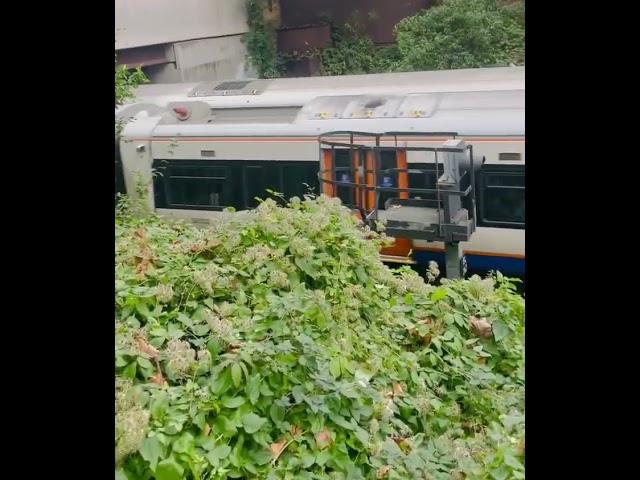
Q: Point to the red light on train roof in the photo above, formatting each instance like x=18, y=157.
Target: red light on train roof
x=181, y=112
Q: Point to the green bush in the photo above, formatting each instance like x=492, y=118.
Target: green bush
x=126, y=80
x=275, y=344
x=462, y=34
x=260, y=41
x=349, y=54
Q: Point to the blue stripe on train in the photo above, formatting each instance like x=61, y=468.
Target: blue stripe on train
x=477, y=263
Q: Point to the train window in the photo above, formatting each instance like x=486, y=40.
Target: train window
x=217, y=184
x=501, y=199
x=390, y=179
x=494, y=180
x=344, y=173
x=201, y=192
x=298, y=179
x=255, y=184
x=120, y=187
x=190, y=184
x=426, y=180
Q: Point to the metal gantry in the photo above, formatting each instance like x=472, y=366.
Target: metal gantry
x=405, y=214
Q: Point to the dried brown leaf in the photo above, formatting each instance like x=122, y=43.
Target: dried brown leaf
x=323, y=438
x=480, y=327
x=383, y=471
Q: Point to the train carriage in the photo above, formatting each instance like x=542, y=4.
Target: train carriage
x=215, y=145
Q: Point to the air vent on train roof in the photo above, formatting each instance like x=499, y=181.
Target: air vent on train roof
x=230, y=88
x=239, y=85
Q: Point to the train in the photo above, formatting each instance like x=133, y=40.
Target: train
x=200, y=148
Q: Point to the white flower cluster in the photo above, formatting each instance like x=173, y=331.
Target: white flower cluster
x=209, y=278
x=481, y=287
x=204, y=360
x=257, y=255
x=410, y=281
x=131, y=421
x=353, y=295
x=164, y=293
x=316, y=224
x=180, y=356
x=278, y=279
x=221, y=328
x=374, y=426
x=301, y=247
x=224, y=309
x=387, y=411
x=433, y=272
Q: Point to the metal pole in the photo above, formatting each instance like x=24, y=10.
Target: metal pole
x=453, y=260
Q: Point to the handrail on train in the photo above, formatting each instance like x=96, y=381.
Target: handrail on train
x=373, y=186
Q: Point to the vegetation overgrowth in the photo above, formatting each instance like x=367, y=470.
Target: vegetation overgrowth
x=450, y=34
x=274, y=344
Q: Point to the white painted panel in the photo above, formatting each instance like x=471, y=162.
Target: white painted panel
x=141, y=23
x=211, y=59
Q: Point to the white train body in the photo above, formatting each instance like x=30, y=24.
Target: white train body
x=229, y=136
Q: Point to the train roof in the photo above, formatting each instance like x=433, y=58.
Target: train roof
x=298, y=91
x=485, y=101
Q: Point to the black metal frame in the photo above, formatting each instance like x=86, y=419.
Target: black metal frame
x=363, y=188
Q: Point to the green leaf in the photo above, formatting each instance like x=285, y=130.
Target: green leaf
x=252, y=422
x=159, y=332
x=236, y=374
x=233, y=402
x=169, y=469
x=217, y=454
x=121, y=361
x=159, y=405
x=184, y=443
x=182, y=318
x=261, y=457
x=340, y=421
x=200, y=330
x=509, y=421
x=334, y=367
x=144, y=363
x=513, y=462
x=200, y=420
x=130, y=370
x=120, y=475
x=151, y=450
x=500, y=330
x=306, y=266
x=391, y=449
x=253, y=389
x=323, y=457
x=174, y=331
x=220, y=383
x=226, y=426
x=276, y=412
x=265, y=391
x=438, y=294
x=307, y=459
x=362, y=435
x=500, y=473
x=361, y=274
